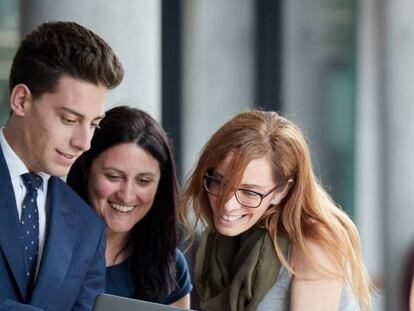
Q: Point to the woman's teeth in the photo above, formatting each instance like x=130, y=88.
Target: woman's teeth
x=122, y=208
x=231, y=218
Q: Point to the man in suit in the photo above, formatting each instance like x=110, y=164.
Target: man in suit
x=51, y=243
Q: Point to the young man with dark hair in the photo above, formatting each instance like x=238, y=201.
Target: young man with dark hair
x=51, y=242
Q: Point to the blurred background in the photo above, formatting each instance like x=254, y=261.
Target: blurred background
x=343, y=70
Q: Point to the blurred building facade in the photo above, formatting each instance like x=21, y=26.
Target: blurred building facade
x=342, y=70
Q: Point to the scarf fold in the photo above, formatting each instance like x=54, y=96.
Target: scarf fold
x=235, y=273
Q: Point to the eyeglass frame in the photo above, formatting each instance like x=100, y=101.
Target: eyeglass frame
x=261, y=195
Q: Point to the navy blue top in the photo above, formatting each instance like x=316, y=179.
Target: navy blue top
x=119, y=282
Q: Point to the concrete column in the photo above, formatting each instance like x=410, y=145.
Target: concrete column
x=369, y=140
x=131, y=27
x=218, y=68
x=299, y=61
x=398, y=125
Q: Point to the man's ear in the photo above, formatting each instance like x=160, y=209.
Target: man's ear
x=20, y=99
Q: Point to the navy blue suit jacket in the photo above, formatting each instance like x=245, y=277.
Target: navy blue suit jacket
x=72, y=268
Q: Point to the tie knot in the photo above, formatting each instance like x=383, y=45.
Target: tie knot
x=32, y=182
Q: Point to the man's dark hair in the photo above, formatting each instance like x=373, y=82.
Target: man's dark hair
x=56, y=49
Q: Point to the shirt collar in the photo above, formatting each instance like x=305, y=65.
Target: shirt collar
x=14, y=163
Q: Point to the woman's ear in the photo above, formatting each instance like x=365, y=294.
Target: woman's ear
x=280, y=195
x=20, y=99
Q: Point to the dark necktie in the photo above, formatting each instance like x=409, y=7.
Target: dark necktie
x=30, y=223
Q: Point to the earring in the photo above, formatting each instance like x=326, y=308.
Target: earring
x=274, y=203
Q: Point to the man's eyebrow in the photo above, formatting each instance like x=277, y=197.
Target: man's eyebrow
x=79, y=114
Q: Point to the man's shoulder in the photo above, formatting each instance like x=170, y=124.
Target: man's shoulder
x=83, y=212
x=58, y=187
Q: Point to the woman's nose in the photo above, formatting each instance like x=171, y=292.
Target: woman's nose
x=126, y=193
x=231, y=204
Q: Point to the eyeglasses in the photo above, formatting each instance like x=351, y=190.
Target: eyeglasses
x=245, y=197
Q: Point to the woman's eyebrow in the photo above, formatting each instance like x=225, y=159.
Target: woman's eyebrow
x=149, y=174
x=214, y=173
x=109, y=168
x=252, y=186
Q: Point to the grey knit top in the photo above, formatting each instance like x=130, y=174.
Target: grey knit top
x=278, y=298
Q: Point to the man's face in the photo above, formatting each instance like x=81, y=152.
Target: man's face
x=58, y=127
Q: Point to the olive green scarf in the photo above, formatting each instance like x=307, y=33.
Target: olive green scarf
x=235, y=273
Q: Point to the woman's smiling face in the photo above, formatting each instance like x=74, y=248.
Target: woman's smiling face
x=122, y=184
x=234, y=218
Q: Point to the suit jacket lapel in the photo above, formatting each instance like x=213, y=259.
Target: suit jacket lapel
x=60, y=243
x=10, y=235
